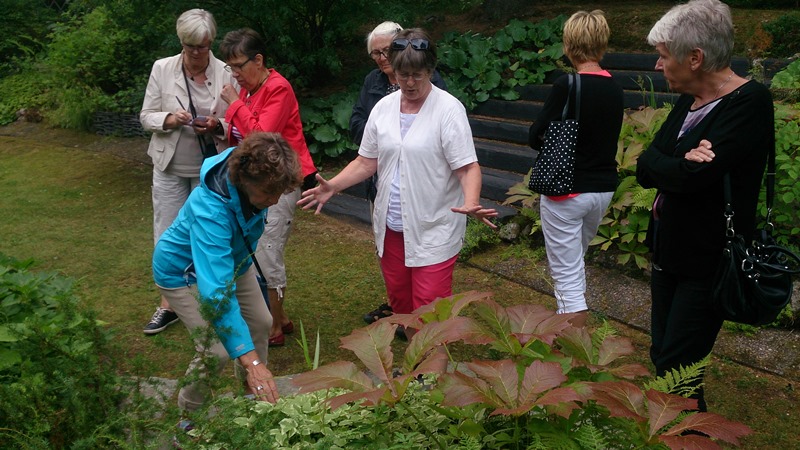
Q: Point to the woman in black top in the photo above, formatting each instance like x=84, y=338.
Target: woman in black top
x=721, y=124
x=570, y=222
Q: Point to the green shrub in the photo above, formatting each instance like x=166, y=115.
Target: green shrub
x=477, y=236
x=788, y=78
x=478, y=67
x=58, y=384
x=785, y=32
x=326, y=124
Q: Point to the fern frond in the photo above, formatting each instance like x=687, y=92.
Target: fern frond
x=602, y=333
x=590, y=438
x=682, y=381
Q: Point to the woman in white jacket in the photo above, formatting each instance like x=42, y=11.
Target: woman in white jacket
x=183, y=109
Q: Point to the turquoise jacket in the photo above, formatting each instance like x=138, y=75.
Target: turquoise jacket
x=205, y=246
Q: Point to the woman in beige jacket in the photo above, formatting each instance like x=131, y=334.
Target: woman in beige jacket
x=183, y=109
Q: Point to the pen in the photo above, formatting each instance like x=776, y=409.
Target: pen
x=180, y=103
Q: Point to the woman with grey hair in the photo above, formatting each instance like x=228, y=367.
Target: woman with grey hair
x=378, y=83
x=183, y=110
x=419, y=142
x=721, y=124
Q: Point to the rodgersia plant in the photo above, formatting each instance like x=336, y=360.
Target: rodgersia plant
x=554, y=386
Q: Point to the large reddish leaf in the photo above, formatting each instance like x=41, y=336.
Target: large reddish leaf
x=496, y=317
x=462, y=390
x=503, y=378
x=622, y=398
x=663, y=408
x=433, y=335
x=612, y=348
x=690, y=442
x=525, y=318
x=713, y=425
x=560, y=400
x=372, y=345
x=551, y=327
x=629, y=371
x=340, y=374
x=446, y=308
x=577, y=342
x=436, y=362
x=371, y=398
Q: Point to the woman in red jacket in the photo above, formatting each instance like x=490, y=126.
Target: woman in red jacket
x=266, y=102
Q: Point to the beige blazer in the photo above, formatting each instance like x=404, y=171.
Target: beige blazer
x=166, y=82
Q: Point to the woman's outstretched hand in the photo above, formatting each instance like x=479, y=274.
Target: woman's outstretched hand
x=317, y=196
x=478, y=212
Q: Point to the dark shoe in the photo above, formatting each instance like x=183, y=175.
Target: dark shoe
x=288, y=328
x=277, y=341
x=400, y=333
x=161, y=319
x=378, y=313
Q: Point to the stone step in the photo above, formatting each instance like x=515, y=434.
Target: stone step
x=499, y=129
x=523, y=110
x=504, y=156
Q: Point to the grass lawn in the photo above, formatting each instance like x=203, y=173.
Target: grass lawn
x=87, y=214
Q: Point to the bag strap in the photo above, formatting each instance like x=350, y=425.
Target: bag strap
x=770, y=184
x=250, y=251
x=577, y=97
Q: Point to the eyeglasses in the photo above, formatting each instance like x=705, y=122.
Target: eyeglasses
x=417, y=76
x=416, y=44
x=195, y=48
x=376, y=54
x=236, y=67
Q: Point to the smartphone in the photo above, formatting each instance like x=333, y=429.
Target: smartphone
x=199, y=121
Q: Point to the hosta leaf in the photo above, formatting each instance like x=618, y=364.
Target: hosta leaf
x=622, y=398
x=325, y=133
x=341, y=374
x=372, y=345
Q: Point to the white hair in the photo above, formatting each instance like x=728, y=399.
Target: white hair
x=387, y=28
x=703, y=24
x=195, y=25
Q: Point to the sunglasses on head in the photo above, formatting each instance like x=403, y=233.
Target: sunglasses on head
x=416, y=44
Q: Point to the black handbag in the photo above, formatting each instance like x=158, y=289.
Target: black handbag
x=554, y=169
x=753, y=282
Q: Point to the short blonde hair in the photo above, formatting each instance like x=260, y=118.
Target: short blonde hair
x=586, y=36
x=195, y=25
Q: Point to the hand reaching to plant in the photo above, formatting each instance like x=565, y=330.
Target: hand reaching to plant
x=259, y=378
x=478, y=212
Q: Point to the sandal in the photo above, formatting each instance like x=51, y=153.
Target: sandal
x=378, y=313
x=288, y=328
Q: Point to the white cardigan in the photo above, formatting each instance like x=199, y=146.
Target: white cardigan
x=166, y=82
x=438, y=142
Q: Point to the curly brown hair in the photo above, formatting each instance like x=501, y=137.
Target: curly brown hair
x=265, y=160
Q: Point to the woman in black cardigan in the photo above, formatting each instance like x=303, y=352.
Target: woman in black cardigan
x=570, y=222
x=721, y=124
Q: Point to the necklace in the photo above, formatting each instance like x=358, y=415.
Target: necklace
x=258, y=86
x=194, y=74
x=716, y=94
x=586, y=66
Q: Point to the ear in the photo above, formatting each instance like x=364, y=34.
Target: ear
x=696, y=57
x=259, y=59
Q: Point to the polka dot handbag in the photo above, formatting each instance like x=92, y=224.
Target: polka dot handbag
x=554, y=169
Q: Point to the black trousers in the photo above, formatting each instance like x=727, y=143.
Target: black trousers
x=683, y=325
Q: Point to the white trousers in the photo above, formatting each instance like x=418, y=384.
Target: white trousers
x=169, y=194
x=272, y=244
x=568, y=227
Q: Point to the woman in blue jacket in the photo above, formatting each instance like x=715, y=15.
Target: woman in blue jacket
x=204, y=258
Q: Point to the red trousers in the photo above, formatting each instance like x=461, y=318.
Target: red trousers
x=409, y=288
